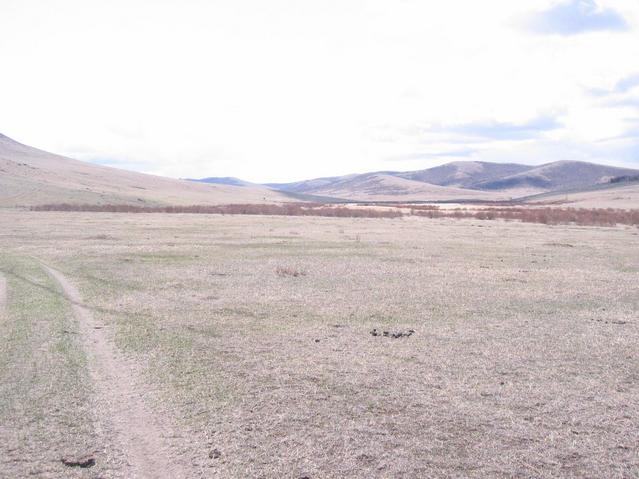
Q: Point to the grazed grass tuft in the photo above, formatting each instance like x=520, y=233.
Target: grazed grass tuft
x=284, y=271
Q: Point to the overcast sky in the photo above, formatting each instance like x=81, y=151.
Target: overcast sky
x=282, y=90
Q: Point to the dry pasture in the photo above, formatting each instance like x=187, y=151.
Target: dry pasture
x=522, y=360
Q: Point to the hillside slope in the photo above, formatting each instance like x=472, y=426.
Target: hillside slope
x=462, y=180
x=557, y=176
x=385, y=187
x=222, y=180
x=464, y=174
x=29, y=176
x=623, y=195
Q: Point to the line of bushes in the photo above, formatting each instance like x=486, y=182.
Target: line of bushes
x=549, y=216
x=287, y=209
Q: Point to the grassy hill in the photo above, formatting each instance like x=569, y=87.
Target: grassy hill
x=29, y=176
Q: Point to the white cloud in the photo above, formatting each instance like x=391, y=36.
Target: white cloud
x=573, y=17
x=282, y=90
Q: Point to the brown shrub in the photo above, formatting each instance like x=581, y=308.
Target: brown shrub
x=418, y=207
x=555, y=216
x=549, y=216
x=429, y=213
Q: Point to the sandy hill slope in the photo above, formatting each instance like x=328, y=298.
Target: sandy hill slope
x=385, y=187
x=29, y=176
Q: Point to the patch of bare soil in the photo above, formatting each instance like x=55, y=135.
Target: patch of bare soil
x=122, y=408
x=3, y=294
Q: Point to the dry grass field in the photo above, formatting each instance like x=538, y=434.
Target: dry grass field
x=158, y=345
x=621, y=196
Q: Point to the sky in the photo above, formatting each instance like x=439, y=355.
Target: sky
x=293, y=89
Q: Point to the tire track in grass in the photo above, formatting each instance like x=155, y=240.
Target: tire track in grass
x=122, y=407
x=3, y=295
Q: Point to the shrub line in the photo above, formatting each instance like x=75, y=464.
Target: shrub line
x=549, y=216
x=289, y=209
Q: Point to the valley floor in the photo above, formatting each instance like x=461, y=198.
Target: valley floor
x=158, y=345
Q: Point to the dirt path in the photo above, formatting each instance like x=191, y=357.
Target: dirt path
x=3, y=295
x=122, y=408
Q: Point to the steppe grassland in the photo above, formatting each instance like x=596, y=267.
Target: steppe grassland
x=523, y=361
x=45, y=395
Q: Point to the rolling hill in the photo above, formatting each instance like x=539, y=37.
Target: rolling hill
x=558, y=176
x=463, y=180
x=222, y=180
x=29, y=176
x=623, y=194
x=387, y=187
x=464, y=174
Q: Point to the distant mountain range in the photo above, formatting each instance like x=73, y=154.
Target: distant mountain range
x=222, y=180
x=463, y=180
x=29, y=176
